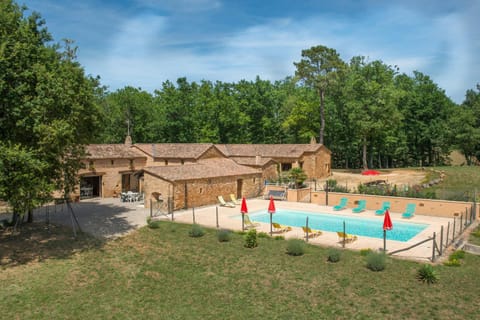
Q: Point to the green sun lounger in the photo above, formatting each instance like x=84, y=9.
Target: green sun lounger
x=385, y=206
x=409, y=211
x=360, y=207
x=341, y=205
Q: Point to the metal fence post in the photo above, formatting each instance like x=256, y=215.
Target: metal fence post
x=453, y=231
x=433, y=247
x=448, y=230
x=193, y=215
x=216, y=215
x=441, y=241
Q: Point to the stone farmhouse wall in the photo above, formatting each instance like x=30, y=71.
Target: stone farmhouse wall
x=111, y=171
x=196, y=193
x=428, y=207
x=316, y=165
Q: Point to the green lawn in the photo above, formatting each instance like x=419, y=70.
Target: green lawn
x=165, y=274
x=460, y=183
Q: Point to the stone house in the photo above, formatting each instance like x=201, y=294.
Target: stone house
x=110, y=169
x=194, y=174
x=313, y=158
x=200, y=183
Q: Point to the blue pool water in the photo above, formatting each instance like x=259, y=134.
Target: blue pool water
x=361, y=226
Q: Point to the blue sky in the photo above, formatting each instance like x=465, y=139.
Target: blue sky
x=143, y=43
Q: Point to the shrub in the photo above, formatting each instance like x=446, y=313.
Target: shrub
x=263, y=235
x=452, y=263
x=333, y=255
x=295, y=247
x=279, y=238
x=427, y=274
x=224, y=235
x=153, y=224
x=365, y=252
x=457, y=255
x=196, y=231
x=376, y=261
x=251, y=239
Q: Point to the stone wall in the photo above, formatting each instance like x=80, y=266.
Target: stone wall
x=196, y=193
x=428, y=207
x=110, y=171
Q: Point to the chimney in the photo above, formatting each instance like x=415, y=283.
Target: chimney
x=128, y=141
x=258, y=159
x=153, y=150
x=313, y=140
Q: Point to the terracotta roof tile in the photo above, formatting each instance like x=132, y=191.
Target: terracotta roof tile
x=267, y=150
x=174, y=150
x=204, y=169
x=251, y=161
x=112, y=151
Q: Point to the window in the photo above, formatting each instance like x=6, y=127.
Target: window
x=166, y=162
x=286, y=166
x=300, y=164
x=183, y=161
x=112, y=162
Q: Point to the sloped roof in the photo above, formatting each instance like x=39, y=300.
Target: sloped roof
x=251, y=161
x=112, y=151
x=203, y=169
x=268, y=150
x=174, y=150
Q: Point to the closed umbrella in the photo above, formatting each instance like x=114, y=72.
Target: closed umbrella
x=387, y=225
x=271, y=210
x=243, y=210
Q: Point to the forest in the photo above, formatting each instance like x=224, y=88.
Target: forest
x=372, y=115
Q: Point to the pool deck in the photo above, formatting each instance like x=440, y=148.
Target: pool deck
x=228, y=219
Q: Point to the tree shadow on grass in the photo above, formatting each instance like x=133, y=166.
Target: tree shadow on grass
x=35, y=242
x=99, y=221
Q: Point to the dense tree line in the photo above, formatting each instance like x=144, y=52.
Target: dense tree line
x=370, y=114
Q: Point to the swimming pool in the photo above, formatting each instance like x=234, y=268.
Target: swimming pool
x=361, y=226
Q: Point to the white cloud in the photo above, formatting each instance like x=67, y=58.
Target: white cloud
x=148, y=50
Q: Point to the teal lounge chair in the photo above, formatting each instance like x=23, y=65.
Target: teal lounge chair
x=385, y=207
x=360, y=207
x=409, y=211
x=341, y=205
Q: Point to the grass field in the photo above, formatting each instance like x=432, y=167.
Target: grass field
x=165, y=274
x=460, y=183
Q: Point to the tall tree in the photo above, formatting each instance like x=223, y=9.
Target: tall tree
x=47, y=109
x=465, y=126
x=318, y=69
x=372, y=101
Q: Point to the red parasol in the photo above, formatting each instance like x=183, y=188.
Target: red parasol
x=387, y=225
x=271, y=206
x=370, y=173
x=244, y=209
x=387, y=222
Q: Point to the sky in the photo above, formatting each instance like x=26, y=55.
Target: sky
x=143, y=43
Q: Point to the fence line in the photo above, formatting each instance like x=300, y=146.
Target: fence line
x=438, y=248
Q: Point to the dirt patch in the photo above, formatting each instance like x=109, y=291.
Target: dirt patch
x=398, y=177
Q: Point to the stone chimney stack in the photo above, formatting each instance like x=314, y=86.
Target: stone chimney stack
x=128, y=141
x=258, y=159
